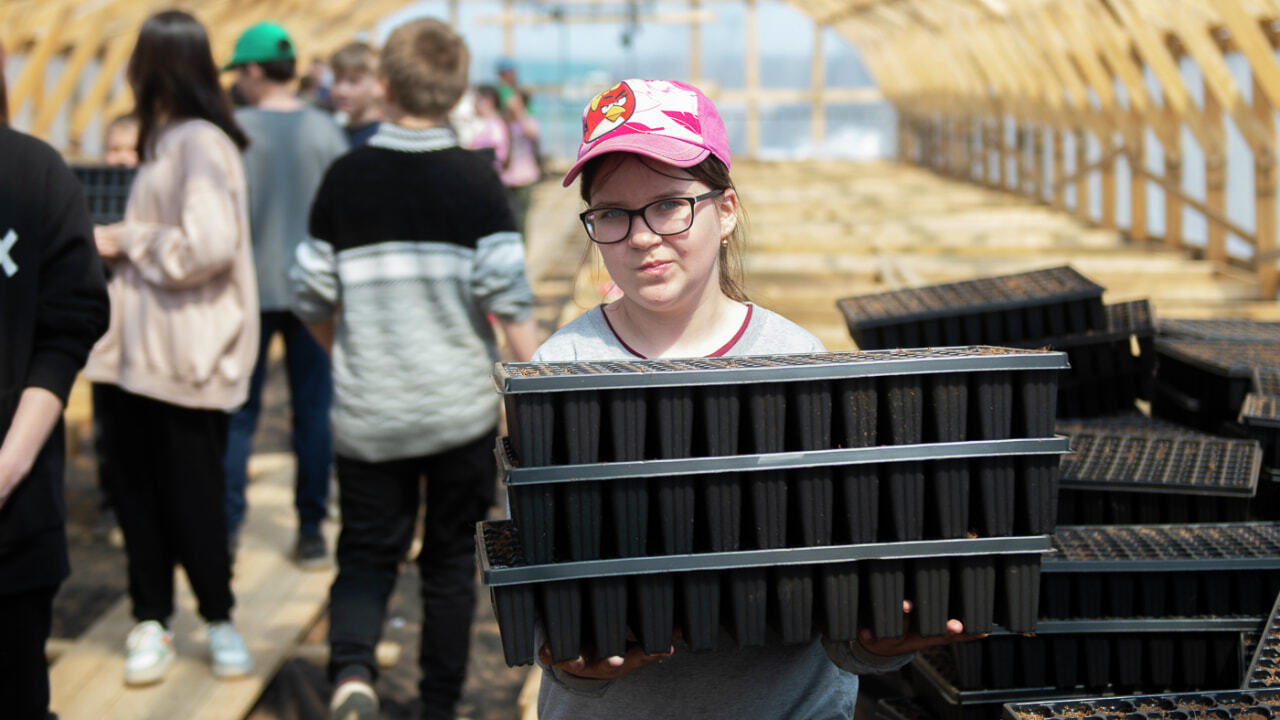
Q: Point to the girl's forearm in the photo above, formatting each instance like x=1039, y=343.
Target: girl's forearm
x=37, y=414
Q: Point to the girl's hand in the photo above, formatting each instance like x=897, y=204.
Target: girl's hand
x=107, y=238
x=607, y=668
x=910, y=642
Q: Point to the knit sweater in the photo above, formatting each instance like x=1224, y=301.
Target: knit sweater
x=53, y=306
x=414, y=247
x=808, y=681
x=184, y=300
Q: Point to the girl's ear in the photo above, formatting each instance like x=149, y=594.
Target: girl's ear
x=727, y=205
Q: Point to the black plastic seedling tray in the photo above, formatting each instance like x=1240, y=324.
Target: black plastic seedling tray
x=1224, y=704
x=1260, y=415
x=1232, y=329
x=1266, y=379
x=1164, y=548
x=797, y=592
x=1203, y=382
x=106, y=189
x=774, y=500
x=1158, y=461
x=1003, y=309
x=708, y=407
x=1264, y=663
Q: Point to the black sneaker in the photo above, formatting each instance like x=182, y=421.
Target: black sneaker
x=311, y=552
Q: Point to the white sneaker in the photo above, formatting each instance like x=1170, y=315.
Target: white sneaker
x=353, y=699
x=231, y=657
x=148, y=653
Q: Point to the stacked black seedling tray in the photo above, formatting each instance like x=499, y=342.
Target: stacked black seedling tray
x=996, y=310
x=971, y=681
x=1135, y=472
x=1221, y=704
x=1264, y=664
x=1110, y=368
x=901, y=708
x=520, y=589
x=106, y=188
x=672, y=457
x=1230, y=329
x=1260, y=412
x=1202, y=383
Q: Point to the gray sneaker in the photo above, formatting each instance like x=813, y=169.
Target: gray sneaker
x=311, y=552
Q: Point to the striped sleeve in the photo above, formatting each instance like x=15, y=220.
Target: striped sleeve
x=314, y=276
x=498, y=282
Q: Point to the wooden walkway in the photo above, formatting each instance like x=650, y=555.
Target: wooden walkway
x=276, y=602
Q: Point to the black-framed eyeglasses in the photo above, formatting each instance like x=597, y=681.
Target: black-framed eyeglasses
x=668, y=216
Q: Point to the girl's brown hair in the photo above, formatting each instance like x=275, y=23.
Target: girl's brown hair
x=712, y=173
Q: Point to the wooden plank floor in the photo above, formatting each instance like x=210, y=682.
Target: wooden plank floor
x=276, y=602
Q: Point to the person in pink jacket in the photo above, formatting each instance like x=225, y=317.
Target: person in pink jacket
x=182, y=341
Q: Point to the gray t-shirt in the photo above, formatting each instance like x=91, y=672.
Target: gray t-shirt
x=287, y=157
x=797, y=682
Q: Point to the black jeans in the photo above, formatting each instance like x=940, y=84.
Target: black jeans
x=380, y=503
x=25, y=620
x=169, y=500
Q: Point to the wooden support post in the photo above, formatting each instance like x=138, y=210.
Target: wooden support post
x=508, y=28
x=1082, y=178
x=1138, y=184
x=1264, y=183
x=1172, y=203
x=1106, y=141
x=817, y=81
x=752, y=53
x=1215, y=175
x=695, y=43
x=966, y=147
x=998, y=141
x=1059, y=172
x=1026, y=144
x=1037, y=162
x=904, y=136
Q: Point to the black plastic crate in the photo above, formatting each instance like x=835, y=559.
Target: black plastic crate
x=1224, y=704
x=106, y=188
x=1233, y=329
x=1264, y=663
x=589, y=606
x=997, y=310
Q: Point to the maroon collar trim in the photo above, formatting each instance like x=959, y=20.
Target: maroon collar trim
x=723, y=350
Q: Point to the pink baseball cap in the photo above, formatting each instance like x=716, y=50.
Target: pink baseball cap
x=669, y=121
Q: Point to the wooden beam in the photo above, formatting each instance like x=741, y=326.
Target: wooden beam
x=817, y=82
x=1215, y=173
x=751, y=53
x=1264, y=170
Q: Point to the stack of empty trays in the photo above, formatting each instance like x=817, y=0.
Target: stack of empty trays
x=813, y=493
x=1122, y=607
x=1206, y=367
x=1056, y=308
x=1260, y=418
x=106, y=189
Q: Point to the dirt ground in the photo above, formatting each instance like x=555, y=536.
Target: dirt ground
x=300, y=690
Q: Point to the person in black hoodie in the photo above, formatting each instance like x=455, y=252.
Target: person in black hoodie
x=53, y=307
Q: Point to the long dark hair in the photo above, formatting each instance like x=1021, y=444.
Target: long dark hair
x=173, y=77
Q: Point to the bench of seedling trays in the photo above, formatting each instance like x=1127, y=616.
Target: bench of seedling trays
x=106, y=190
x=813, y=493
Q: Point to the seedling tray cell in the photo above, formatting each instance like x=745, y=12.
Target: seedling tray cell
x=994, y=495
x=654, y=603
x=1037, y=403
x=583, y=513
x=1225, y=704
x=700, y=596
x=991, y=403
x=814, y=504
x=858, y=406
x=1233, y=329
x=721, y=504
x=886, y=585
x=859, y=487
x=930, y=591
x=903, y=409
x=561, y=610
x=948, y=498
x=794, y=605
x=948, y=407
x=1037, y=495
x=1161, y=461
x=514, y=608
x=721, y=416
x=608, y=605
x=533, y=507
x=767, y=523
x=975, y=593
x=1021, y=601
x=531, y=427
x=905, y=500
x=810, y=405
x=839, y=593
x=629, y=499
x=676, y=511
x=106, y=190
x=748, y=605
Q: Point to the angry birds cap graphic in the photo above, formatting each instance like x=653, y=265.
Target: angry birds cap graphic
x=669, y=121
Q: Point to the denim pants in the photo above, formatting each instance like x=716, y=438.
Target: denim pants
x=380, y=503
x=310, y=394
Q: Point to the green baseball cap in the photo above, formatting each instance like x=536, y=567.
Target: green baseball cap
x=261, y=43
